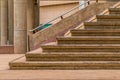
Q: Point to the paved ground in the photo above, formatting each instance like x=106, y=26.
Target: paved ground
x=6, y=74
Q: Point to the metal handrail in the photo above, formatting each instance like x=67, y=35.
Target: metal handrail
x=61, y=16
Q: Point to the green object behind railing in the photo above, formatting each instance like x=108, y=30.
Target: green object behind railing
x=45, y=26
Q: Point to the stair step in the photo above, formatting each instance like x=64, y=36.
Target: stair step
x=89, y=40
x=63, y=65
x=82, y=48
x=91, y=56
x=102, y=25
x=114, y=10
x=109, y=23
x=108, y=17
x=79, y=32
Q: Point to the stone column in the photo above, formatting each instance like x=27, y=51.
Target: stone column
x=20, y=26
x=10, y=21
x=4, y=21
x=30, y=21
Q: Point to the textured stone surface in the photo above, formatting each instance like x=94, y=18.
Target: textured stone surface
x=4, y=21
x=11, y=21
x=22, y=64
x=77, y=56
x=20, y=26
x=71, y=53
x=89, y=40
x=107, y=32
x=49, y=34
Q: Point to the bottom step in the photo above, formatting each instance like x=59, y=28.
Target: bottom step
x=21, y=64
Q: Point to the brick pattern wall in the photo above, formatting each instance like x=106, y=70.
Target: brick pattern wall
x=6, y=49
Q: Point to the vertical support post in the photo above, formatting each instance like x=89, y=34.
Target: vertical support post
x=20, y=26
x=4, y=21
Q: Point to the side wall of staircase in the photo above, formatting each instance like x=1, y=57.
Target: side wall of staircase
x=60, y=28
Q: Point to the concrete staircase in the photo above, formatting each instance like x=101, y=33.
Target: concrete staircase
x=97, y=46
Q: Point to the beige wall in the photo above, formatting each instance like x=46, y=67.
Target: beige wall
x=46, y=3
x=49, y=12
x=51, y=9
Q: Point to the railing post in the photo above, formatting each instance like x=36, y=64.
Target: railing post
x=61, y=17
x=88, y=2
x=96, y=1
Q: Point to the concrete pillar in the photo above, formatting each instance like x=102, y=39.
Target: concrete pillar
x=20, y=26
x=10, y=21
x=4, y=21
x=30, y=21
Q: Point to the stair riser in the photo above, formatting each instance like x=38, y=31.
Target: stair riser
x=81, y=49
x=74, y=59
x=89, y=41
x=114, y=13
x=71, y=66
x=101, y=27
x=103, y=20
x=95, y=33
x=64, y=68
x=114, y=10
x=107, y=23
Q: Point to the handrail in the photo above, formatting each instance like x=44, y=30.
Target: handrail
x=61, y=16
